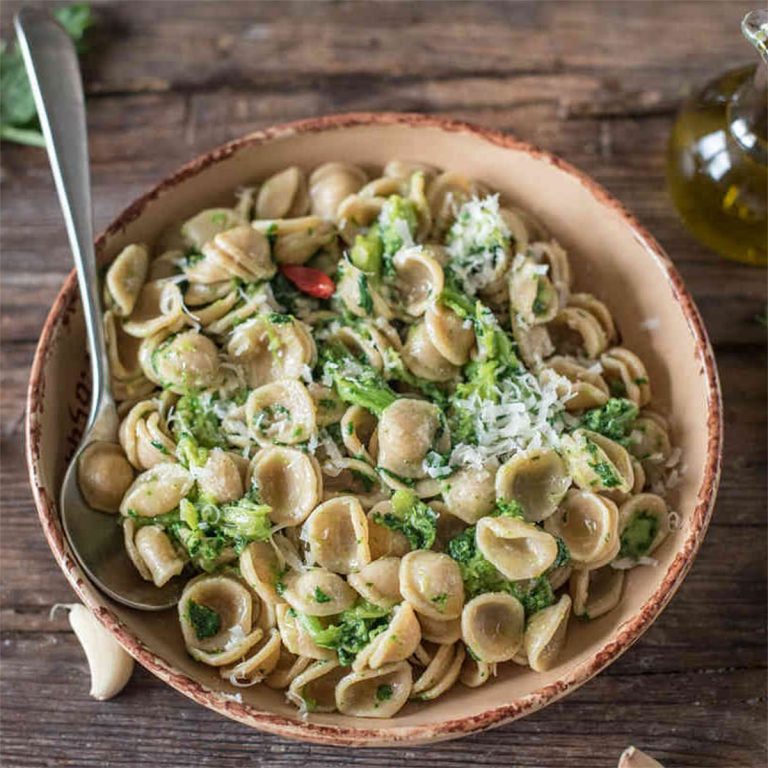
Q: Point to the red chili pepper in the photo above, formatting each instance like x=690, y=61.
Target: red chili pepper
x=310, y=281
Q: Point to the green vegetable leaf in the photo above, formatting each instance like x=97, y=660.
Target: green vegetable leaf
x=614, y=419
x=18, y=115
x=412, y=517
x=204, y=620
x=351, y=631
x=637, y=537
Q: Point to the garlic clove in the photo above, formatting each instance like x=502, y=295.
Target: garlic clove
x=632, y=757
x=110, y=666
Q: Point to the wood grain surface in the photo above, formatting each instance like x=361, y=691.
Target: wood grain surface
x=598, y=83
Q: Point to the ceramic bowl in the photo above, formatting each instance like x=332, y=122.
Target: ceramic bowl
x=613, y=257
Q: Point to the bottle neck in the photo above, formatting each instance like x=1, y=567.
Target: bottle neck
x=748, y=115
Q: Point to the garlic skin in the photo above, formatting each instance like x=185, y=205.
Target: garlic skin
x=632, y=757
x=110, y=666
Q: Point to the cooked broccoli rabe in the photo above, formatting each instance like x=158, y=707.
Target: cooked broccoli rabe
x=412, y=517
x=196, y=416
x=204, y=620
x=366, y=252
x=244, y=520
x=614, y=419
x=356, y=382
x=637, y=537
x=397, y=223
x=189, y=452
x=507, y=508
x=480, y=576
x=350, y=631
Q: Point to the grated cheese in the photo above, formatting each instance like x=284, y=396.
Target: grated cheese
x=477, y=244
x=527, y=415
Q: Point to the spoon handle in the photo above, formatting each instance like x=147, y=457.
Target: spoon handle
x=54, y=73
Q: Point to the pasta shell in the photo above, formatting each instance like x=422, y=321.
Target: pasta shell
x=424, y=359
x=337, y=535
x=122, y=350
x=344, y=477
x=378, y=582
x=650, y=508
x=531, y=293
x=431, y=582
x=283, y=195
x=596, y=592
x=281, y=412
x=446, y=195
x=103, y=475
x=375, y=692
x=144, y=436
x=627, y=375
x=261, y=565
x=258, y=665
x=560, y=273
x=186, y=362
x=197, y=294
x=357, y=428
x=269, y=351
x=159, y=307
x=419, y=279
x=167, y=264
x=329, y=407
x=537, y=479
x=355, y=213
x=204, y=226
x=533, y=342
x=314, y=690
x=492, y=626
x=448, y=333
x=574, y=331
x=242, y=252
x=440, y=632
x=156, y=551
x=383, y=541
x=597, y=463
x=588, y=388
x=448, y=526
x=125, y=278
x=589, y=526
x=359, y=294
x=129, y=536
x=289, y=481
x=598, y=310
x=157, y=491
x=289, y=667
x=404, y=169
x=397, y=642
x=230, y=636
x=441, y=674
x=475, y=673
x=219, y=478
x=517, y=549
x=318, y=592
x=296, y=638
x=296, y=240
x=408, y=429
x=331, y=183
x=545, y=635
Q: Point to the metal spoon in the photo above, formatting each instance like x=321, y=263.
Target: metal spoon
x=95, y=537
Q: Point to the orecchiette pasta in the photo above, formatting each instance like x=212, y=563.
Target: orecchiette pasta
x=366, y=415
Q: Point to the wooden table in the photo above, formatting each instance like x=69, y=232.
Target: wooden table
x=597, y=83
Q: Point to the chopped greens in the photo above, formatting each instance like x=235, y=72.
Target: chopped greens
x=204, y=620
x=412, y=517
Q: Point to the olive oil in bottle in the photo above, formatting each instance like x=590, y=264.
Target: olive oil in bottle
x=717, y=161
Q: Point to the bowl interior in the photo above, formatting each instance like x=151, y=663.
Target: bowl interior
x=611, y=259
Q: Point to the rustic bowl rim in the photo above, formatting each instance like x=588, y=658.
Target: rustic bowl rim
x=370, y=735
